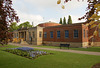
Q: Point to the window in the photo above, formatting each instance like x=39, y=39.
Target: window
x=14, y=35
x=29, y=34
x=33, y=35
x=58, y=34
x=87, y=33
x=40, y=34
x=66, y=33
x=75, y=33
x=45, y=34
x=17, y=35
x=84, y=33
x=51, y=34
x=99, y=32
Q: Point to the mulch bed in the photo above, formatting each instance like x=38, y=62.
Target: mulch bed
x=96, y=65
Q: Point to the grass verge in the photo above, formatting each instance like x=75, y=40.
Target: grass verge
x=92, y=49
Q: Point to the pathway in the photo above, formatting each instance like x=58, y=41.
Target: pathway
x=62, y=50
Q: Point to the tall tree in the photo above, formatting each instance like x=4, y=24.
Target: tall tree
x=64, y=21
x=69, y=20
x=60, y=21
x=25, y=24
x=7, y=15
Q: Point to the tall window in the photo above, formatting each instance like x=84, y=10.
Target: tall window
x=51, y=34
x=99, y=32
x=17, y=35
x=87, y=33
x=66, y=33
x=58, y=34
x=40, y=34
x=84, y=33
x=29, y=34
x=45, y=34
x=33, y=35
x=75, y=33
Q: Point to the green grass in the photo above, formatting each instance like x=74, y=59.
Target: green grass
x=93, y=49
x=56, y=60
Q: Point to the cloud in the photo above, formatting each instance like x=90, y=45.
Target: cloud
x=42, y=3
x=36, y=19
x=31, y=10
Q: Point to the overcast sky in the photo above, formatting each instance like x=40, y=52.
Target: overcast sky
x=40, y=11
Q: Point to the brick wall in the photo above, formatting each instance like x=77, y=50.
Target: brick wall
x=62, y=29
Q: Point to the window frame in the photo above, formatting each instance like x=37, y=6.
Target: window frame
x=75, y=33
x=84, y=33
x=40, y=34
x=58, y=35
x=33, y=34
x=45, y=34
x=66, y=33
x=51, y=34
x=99, y=32
x=87, y=33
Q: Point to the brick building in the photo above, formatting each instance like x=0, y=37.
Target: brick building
x=50, y=33
x=74, y=34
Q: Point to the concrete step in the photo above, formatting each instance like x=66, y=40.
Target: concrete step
x=24, y=42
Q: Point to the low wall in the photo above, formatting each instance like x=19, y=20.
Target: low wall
x=72, y=44
x=85, y=44
x=95, y=43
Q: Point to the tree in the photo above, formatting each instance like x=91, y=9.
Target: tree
x=90, y=8
x=92, y=15
x=7, y=15
x=13, y=27
x=69, y=20
x=25, y=24
x=64, y=21
x=60, y=21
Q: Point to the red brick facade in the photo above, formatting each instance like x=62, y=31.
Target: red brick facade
x=82, y=29
x=62, y=28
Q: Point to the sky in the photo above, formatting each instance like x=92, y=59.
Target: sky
x=40, y=11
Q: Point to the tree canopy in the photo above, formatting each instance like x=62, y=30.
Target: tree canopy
x=13, y=27
x=64, y=21
x=25, y=24
x=7, y=15
x=69, y=20
x=60, y=21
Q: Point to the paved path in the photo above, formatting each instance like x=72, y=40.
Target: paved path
x=62, y=50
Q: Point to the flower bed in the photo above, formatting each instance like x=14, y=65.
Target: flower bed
x=27, y=52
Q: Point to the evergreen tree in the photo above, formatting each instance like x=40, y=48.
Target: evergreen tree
x=69, y=20
x=64, y=21
x=60, y=21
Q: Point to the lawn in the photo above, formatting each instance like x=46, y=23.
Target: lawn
x=93, y=49
x=56, y=60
